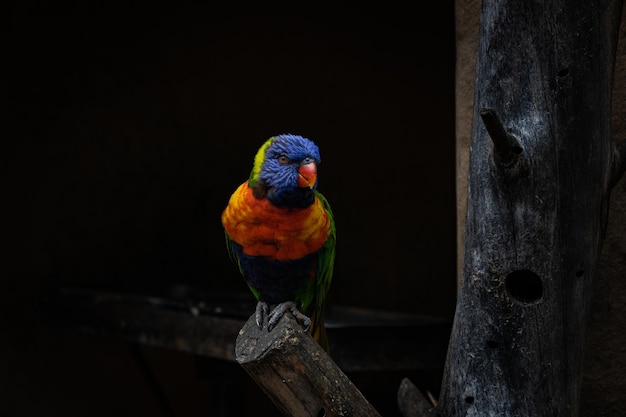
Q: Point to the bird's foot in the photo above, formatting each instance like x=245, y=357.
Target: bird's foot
x=262, y=311
x=281, y=309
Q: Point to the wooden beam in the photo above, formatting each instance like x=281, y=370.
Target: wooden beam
x=361, y=340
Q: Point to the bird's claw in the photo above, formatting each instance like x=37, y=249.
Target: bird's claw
x=262, y=311
x=274, y=314
x=281, y=309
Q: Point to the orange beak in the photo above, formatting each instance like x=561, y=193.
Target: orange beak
x=307, y=175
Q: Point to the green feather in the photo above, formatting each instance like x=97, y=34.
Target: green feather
x=326, y=261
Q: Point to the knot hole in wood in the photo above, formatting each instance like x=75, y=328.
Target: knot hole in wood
x=524, y=286
x=563, y=72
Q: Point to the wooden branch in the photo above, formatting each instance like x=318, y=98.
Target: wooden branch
x=411, y=402
x=506, y=147
x=295, y=372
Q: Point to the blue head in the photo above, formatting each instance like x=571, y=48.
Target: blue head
x=285, y=170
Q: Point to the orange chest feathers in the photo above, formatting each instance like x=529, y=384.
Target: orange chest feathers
x=279, y=233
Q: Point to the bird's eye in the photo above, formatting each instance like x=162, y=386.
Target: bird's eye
x=282, y=159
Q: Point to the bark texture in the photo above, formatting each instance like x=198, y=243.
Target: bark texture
x=295, y=372
x=540, y=172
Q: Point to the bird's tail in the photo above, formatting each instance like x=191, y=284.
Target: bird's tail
x=318, y=331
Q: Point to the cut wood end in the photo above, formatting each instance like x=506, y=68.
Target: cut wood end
x=254, y=343
x=296, y=373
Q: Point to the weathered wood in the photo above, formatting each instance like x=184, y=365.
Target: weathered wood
x=296, y=373
x=535, y=215
x=206, y=328
x=619, y=161
x=208, y=324
x=411, y=402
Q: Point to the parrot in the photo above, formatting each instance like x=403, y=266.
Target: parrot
x=280, y=234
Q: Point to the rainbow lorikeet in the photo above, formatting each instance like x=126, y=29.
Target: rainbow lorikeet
x=280, y=233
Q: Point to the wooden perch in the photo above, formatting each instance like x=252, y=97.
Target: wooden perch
x=296, y=373
x=411, y=402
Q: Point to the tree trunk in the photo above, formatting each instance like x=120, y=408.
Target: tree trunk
x=541, y=167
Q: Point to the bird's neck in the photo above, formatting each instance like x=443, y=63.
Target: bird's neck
x=298, y=197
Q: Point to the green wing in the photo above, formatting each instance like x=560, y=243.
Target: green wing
x=326, y=260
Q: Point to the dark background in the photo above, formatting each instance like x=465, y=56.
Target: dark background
x=129, y=125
